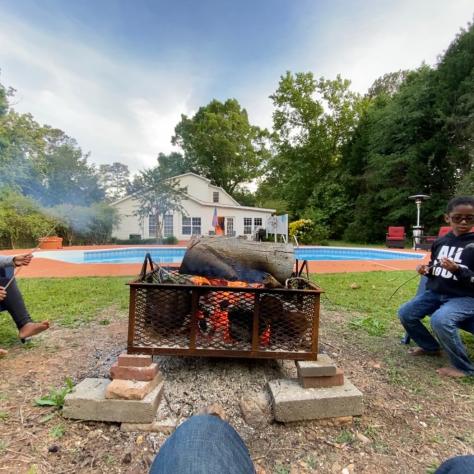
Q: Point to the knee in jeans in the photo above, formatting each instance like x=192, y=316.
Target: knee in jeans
x=440, y=323
x=405, y=313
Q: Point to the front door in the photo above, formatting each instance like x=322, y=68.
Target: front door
x=230, y=226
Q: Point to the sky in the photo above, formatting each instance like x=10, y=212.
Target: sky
x=117, y=74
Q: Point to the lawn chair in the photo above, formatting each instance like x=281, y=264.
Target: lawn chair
x=395, y=237
x=427, y=240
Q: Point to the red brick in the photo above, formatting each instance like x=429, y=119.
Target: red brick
x=130, y=389
x=134, y=360
x=327, y=381
x=142, y=374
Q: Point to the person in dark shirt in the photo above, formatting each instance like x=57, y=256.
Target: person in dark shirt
x=449, y=295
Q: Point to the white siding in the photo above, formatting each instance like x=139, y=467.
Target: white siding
x=202, y=190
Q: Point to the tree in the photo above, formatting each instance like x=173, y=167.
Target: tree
x=313, y=121
x=220, y=144
x=85, y=225
x=21, y=220
x=173, y=164
x=157, y=197
x=115, y=180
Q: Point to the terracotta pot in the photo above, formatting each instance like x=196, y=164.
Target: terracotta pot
x=52, y=242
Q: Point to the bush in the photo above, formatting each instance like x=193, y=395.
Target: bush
x=137, y=241
x=307, y=232
x=171, y=240
x=22, y=221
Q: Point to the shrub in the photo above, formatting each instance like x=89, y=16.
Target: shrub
x=170, y=240
x=307, y=232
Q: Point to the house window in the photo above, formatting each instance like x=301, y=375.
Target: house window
x=257, y=222
x=196, y=221
x=191, y=226
x=168, y=225
x=152, y=226
x=247, y=225
x=215, y=196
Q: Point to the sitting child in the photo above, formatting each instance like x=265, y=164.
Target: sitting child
x=12, y=301
x=449, y=295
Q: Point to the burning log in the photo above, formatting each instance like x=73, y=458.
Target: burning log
x=236, y=259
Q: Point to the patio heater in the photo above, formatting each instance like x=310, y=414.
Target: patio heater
x=418, y=229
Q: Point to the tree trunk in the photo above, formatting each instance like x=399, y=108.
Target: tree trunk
x=238, y=260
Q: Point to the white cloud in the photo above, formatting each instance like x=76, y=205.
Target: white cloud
x=123, y=109
x=115, y=108
x=383, y=37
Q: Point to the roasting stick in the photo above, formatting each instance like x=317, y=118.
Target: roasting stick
x=18, y=269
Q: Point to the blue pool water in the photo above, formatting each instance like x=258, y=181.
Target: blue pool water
x=175, y=254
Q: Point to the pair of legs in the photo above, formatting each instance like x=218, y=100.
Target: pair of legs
x=15, y=305
x=448, y=315
x=204, y=444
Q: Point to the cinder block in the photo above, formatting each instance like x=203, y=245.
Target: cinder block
x=166, y=426
x=142, y=374
x=327, y=381
x=323, y=367
x=130, y=389
x=292, y=402
x=88, y=402
x=134, y=360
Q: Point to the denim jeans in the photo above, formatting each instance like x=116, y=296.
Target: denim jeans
x=457, y=465
x=204, y=444
x=448, y=315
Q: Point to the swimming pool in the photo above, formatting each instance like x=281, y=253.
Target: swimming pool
x=175, y=254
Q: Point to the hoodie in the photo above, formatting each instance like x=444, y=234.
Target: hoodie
x=461, y=249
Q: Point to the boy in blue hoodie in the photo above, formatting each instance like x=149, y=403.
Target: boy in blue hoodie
x=449, y=295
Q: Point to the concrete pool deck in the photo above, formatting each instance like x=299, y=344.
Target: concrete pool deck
x=48, y=268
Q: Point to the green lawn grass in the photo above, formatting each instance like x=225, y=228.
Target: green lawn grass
x=371, y=308
x=74, y=301
x=66, y=301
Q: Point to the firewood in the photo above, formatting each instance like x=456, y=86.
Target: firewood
x=239, y=260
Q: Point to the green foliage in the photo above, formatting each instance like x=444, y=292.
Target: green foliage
x=21, y=220
x=69, y=302
x=86, y=225
x=157, y=196
x=220, y=144
x=170, y=240
x=115, y=180
x=313, y=121
x=415, y=137
x=58, y=431
x=307, y=232
x=56, y=397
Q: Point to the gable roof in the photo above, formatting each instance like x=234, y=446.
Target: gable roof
x=190, y=173
x=208, y=181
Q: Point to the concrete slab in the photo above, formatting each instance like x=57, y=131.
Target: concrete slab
x=292, y=402
x=88, y=402
x=323, y=367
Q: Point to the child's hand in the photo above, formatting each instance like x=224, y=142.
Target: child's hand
x=3, y=293
x=449, y=264
x=423, y=269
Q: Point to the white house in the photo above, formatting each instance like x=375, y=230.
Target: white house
x=200, y=201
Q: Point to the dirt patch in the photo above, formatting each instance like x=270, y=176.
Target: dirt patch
x=413, y=419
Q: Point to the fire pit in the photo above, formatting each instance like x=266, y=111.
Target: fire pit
x=198, y=316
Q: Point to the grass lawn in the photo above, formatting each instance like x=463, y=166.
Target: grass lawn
x=66, y=301
x=74, y=301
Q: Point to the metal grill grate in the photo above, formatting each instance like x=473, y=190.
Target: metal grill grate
x=193, y=320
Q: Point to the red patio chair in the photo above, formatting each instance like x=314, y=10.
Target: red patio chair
x=427, y=240
x=395, y=237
